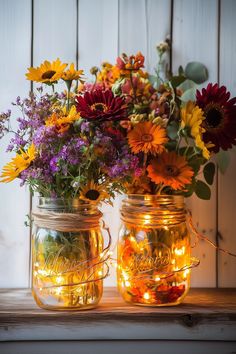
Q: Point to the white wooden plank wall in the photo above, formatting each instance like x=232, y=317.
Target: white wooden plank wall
x=15, y=39
x=227, y=190
x=106, y=28
x=195, y=34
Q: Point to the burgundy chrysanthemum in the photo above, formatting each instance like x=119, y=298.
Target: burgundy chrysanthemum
x=220, y=116
x=101, y=105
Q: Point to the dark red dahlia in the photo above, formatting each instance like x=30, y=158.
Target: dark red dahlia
x=101, y=105
x=220, y=116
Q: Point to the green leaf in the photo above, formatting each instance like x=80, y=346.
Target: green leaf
x=190, y=188
x=202, y=190
x=223, y=160
x=189, y=95
x=209, y=172
x=188, y=84
x=177, y=80
x=197, y=72
x=172, y=130
x=181, y=70
x=153, y=79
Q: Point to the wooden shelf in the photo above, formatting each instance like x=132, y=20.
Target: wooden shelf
x=206, y=315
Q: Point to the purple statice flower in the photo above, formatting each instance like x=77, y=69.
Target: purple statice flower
x=17, y=142
x=72, y=151
x=44, y=135
x=23, y=123
x=54, y=164
x=85, y=127
x=4, y=118
x=124, y=164
x=40, y=174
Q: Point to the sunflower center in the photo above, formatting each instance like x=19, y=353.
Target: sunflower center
x=214, y=116
x=48, y=74
x=92, y=194
x=147, y=138
x=172, y=170
x=99, y=107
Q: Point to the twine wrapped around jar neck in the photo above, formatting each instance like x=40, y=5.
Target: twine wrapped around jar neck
x=153, y=210
x=66, y=216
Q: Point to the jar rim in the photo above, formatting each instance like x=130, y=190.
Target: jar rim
x=154, y=197
x=65, y=203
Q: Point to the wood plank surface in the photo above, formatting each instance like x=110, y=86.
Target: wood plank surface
x=206, y=314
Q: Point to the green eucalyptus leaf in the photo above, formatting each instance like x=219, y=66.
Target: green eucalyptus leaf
x=181, y=71
x=172, y=130
x=177, y=80
x=209, y=172
x=153, y=79
x=197, y=72
x=223, y=160
x=202, y=190
x=171, y=145
x=189, y=95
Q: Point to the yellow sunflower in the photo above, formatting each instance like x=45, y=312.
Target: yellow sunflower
x=18, y=164
x=171, y=170
x=62, y=120
x=72, y=74
x=148, y=138
x=192, y=118
x=47, y=72
x=93, y=193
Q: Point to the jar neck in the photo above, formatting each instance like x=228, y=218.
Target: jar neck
x=67, y=205
x=153, y=210
x=66, y=214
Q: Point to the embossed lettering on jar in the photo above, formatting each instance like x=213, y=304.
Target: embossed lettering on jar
x=67, y=266
x=154, y=257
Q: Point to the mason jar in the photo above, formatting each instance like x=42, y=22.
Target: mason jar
x=154, y=251
x=67, y=255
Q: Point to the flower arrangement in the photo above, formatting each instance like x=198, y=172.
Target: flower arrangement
x=128, y=131
x=173, y=128
x=67, y=144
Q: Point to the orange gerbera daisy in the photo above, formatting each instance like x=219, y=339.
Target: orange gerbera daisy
x=171, y=170
x=148, y=138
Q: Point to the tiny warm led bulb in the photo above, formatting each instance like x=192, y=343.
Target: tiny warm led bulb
x=157, y=278
x=127, y=284
x=59, y=290
x=180, y=251
x=146, y=296
x=59, y=279
x=100, y=272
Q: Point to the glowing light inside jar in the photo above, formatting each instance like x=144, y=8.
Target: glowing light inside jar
x=59, y=279
x=180, y=251
x=146, y=296
x=58, y=290
x=147, y=219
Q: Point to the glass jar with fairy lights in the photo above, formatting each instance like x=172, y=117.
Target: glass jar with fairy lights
x=154, y=251
x=68, y=258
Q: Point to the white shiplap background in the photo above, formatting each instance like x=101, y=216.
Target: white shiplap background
x=92, y=31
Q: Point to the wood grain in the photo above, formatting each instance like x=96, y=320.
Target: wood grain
x=227, y=190
x=205, y=314
x=195, y=25
x=17, y=306
x=15, y=36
